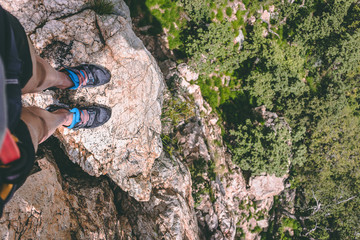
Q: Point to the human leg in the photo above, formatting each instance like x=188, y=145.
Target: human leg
x=44, y=76
x=42, y=124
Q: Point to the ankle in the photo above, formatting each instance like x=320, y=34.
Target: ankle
x=68, y=119
x=67, y=116
x=64, y=81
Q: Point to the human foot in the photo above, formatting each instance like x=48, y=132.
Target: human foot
x=84, y=117
x=87, y=75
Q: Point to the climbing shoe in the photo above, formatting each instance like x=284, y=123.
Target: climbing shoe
x=87, y=75
x=85, y=117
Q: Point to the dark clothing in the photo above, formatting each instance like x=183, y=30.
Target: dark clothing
x=21, y=168
x=15, y=53
x=9, y=23
x=16, y=58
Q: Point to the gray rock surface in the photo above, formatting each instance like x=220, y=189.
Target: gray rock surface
x=51, y=207
x=35, y=210
x=68, y=33
x=169, y=214
x=262, y=187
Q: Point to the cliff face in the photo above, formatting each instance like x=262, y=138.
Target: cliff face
x=169, y=214
x=226, y=205
x=115, y=182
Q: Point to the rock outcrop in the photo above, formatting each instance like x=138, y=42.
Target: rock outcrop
x=48, y=206
x=169, y=214
x=227, y=206
x=69, y=33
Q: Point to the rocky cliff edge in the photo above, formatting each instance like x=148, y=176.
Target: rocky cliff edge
x=70, y=33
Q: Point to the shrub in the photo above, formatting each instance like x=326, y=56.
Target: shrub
x=220, y=15
x=176, y=110
x=228, y=11
x=197, y=10
x=261, y=149
x=246, y=2
x=213, y=49
x=217, y=81
x=235, y=26
x=102, y=7
x=239, y=14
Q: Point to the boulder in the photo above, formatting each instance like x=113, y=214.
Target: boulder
x=38, y=208
x=70, y=33
x=48, y=206
x=268, y=186
x=169, y=214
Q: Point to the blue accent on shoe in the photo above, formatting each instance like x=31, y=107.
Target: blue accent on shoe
x=76, y=118
x=73, y=78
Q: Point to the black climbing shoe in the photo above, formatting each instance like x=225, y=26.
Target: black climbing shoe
x=87, y=75
x=85, y=117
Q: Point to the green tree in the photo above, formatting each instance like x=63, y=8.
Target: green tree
x=331, y=178
x=311, y=76
x=262, y=149
x=197, y=10
x=213, y=49
x=278, y=70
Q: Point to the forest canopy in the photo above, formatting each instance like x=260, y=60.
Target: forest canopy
x=302, y=63
x=304, y=66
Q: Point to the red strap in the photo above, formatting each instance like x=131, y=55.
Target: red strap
x=9, y=150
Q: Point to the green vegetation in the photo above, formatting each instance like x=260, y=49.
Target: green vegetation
x=228, y=11
x=213, y=49
x=160, y=15
x=102, y=7
x=306, y=69
x=262, y=149
x=198, y=9
x=289, y=229
x=239, y=233
x=256, y=229
x=169, y=144
x=220, y=15
x=177, y=110
x=200, y=171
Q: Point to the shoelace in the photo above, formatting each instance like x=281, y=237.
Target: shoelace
x=85, y=117
x=79, y=77
x=77, y=119
x=83, y=78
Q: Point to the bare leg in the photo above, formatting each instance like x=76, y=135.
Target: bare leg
x=44, y=76
x=42, y=124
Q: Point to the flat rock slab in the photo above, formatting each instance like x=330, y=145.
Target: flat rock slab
x=125, y=147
